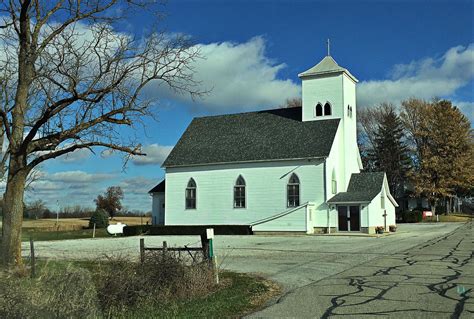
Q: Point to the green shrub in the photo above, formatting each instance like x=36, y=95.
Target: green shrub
x=101, y=219
x=123, y=286
x=414, y=216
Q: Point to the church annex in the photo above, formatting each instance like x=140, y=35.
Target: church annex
x=280, y=170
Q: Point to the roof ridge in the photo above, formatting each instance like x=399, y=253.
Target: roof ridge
x=240, y=113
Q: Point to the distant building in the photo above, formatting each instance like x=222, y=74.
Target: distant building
x=282, y=170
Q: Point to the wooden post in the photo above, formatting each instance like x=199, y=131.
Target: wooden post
x=33, y=261
x=93, y=232
x=142, y=250
x=216, y=270
x=165, y=249
x=205, y=246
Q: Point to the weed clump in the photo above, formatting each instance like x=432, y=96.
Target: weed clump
x=64, y=292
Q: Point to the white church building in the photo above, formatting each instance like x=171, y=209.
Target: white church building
x=280, y=170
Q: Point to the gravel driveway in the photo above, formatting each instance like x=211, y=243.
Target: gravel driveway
x=293, y=261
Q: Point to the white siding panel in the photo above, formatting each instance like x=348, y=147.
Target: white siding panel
x=265, y=192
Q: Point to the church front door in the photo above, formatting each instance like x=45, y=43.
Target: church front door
x=348, y=218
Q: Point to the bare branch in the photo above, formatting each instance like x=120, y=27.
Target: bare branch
x=129, y=150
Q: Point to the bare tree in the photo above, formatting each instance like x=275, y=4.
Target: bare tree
x=293, y=102
x=70, y=81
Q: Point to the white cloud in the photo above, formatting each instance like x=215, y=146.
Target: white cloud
x=239, y=76
x=138, y=185
x=426, y=78
x=155, y=155
x=467, y=108
x=75, y=177
x=77, y=156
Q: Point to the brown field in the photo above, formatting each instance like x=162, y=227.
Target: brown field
x=77, y=223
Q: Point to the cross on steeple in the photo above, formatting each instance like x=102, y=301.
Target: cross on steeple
x=329, y=47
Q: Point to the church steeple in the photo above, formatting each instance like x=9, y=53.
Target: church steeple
x=325, y=67
x=328, y=90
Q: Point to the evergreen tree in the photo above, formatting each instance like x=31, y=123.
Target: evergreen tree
x=390, y=153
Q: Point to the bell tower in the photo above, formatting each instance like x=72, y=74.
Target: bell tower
x=329, y=92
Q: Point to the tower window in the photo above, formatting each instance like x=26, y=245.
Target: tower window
x=327, y=109
x=319, y=110
x=293, y=191
x=191, y=194
x=334, y=182
x=382, y=199
x=239, y=193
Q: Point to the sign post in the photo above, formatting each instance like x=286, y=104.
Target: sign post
x=211, y=256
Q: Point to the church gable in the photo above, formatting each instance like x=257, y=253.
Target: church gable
x=278, y=134
x=363, y=187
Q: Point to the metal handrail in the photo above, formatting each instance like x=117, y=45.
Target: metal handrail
x=267, y=219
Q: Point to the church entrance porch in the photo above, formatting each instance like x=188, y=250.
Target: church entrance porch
x=348, y=218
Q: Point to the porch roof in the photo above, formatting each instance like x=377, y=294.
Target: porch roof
x=363, y=187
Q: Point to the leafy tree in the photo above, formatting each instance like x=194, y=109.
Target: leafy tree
x=69, y=81
x=442, y=139
x=100, y=218
x=389, y=152
x=110, y=201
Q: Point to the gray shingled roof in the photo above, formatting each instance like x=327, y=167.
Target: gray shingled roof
x=363, y=187
x=255, y=136
x=160, y=188
x=326, y=66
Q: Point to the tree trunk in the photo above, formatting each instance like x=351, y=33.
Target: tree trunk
x=13, y=213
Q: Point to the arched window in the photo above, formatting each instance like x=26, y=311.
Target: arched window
x=191, y=194
x=293, y=191
x=327, y=109
x=239, y=193
x=334, y=181
x=319, y=110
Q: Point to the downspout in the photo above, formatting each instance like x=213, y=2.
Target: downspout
x=368, y=225
x=325, y=198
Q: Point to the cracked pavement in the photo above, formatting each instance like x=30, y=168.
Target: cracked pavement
x=431, y=280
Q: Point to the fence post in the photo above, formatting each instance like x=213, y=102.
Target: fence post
x=33, y=261
x=142, y=250
x=205, y=246
x=93, y=232
x=165, y=248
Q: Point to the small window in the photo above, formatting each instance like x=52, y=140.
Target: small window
x=349, y=111
x=334, y=182
x=239, y=193
x=191, y=194
x=293, y=191
x=327, y=109
x=319, y=110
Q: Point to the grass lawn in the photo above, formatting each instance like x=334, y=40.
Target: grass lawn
x=241, y=294
x=69, y=228
x=451, y=218
x=38, y=235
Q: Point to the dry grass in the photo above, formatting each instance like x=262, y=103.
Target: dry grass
x=78, y=223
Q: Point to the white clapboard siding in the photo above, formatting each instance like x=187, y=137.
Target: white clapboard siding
x=266, y=187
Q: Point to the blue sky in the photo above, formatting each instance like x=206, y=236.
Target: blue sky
x=253, y=51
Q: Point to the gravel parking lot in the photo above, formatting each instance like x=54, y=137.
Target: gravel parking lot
x=292, y=261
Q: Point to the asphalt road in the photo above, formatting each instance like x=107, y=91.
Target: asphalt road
x=324, y=276
x=435, y=279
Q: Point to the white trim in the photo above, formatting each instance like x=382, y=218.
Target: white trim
x=253, y=161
